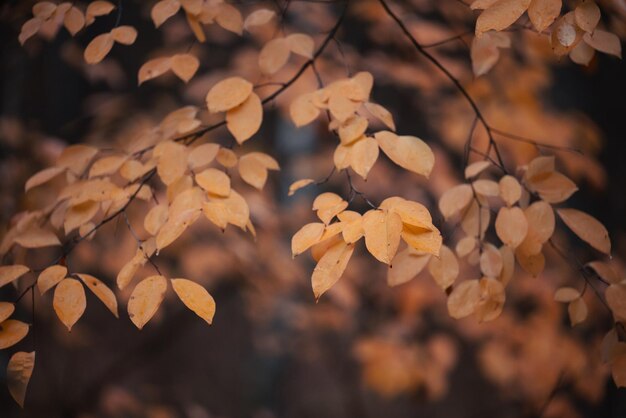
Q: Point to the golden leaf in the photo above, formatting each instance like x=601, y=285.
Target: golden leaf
x=185, y=66
x=306, y=237
x=19, y=371
x=12, y=332
x=228, y=94
x=587, y=228
x=6, y=310
x=330, y=267
x=50, y=277
x=500, y=15
x=101, y=291
x=10, y=273
x=464, y=298
x=511, y=226
x=214, y=181
x=405, y=266
x=145, y=299
x=196, y=298
x=163, y=10
x=444, y=269
x=98, y=48
x=245, y=120
x=274, y=56
x=69, y=301
x=382, y=234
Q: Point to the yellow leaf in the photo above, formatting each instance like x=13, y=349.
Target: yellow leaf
x=274, y=56
x=196, y=298
x=74, y=20
x=330, y=267
x=364, y=155
x=604, y=41
x=76, y=158
x=491, y=300
x=543, y=12
x=253, y=168
x=10, y=273
x=444, y=269
x=12, y=332
x=306, y=237
x=500, y=15
x=303, y=111
x=6, y=310
x=301, y=44
x=511, y=226
x=163, y=10
x=97, y=8
x=50, y=277
x=476, y=168
x=382, y=234
x=29, y=29
x=155, y=218
x=229, y=18
x=214, y=181
x=98, y=48
x=587, y=228
x=36, y=237
x=424, y=240
x=245, y=120
x=577, y=311
x=228, y=94
x=202, y=155
x=101, y=291
x=455, y=200
x=587, y=15
x=185, y=66
x=352, y=129
x=510, y=190
x=19, y=371
x=258, y=18
x=406, y=265
x=408, y=152
x=299, y=184
x=172, y=161
x=566, y=294
x=43, y=176
x=491, y=261
x=381, y=114
x=464, y=298
x=69, y=301
x=226, y=157
x=352, y=229
x=146, y=299
x=616, y=299
x=411, y=213
x=107, y=166
x=154, y=68
x=328, y=205
x=80, y=214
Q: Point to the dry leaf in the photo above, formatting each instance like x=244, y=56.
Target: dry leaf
x=330, y=267
x=10, y=273
x=228, y=94
x=69, y=301
x=19, y=371
x=12, y=332
x=245, y=120
x=101, y=291
x=588, y=228
x=408, y=152
x=50, y=277
x=146, y=299
x=196, y=298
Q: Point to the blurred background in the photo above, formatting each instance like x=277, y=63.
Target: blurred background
x=365, y=350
